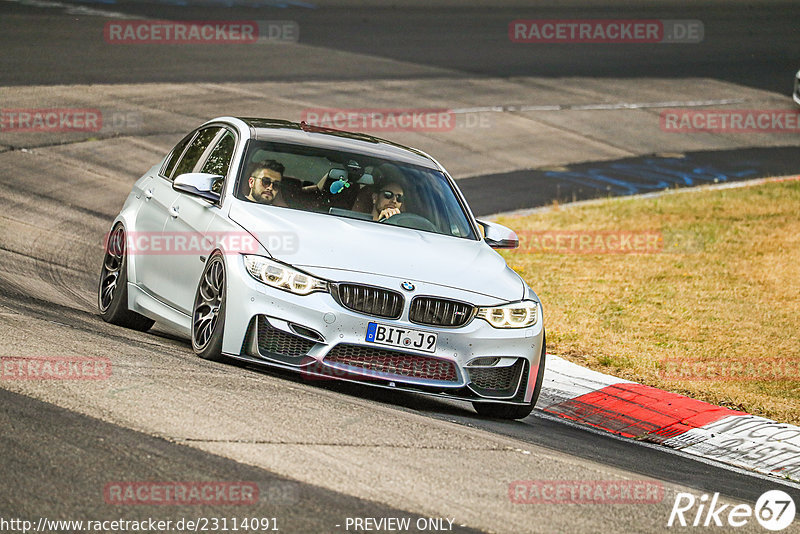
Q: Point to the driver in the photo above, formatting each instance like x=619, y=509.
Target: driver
x=387, y=201
x=265, y=181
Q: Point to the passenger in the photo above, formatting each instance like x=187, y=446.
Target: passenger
x=265, y=183
x=387, y=201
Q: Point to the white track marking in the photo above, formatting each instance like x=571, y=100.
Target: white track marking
x=74, y=10
x=586, y=107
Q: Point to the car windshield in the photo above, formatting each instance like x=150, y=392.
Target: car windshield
x=353, y=185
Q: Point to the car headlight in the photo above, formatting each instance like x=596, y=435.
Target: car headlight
x=514, y=315
x=282, y=276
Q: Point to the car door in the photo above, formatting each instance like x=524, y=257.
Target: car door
x=188, y=220
x=155, y=278
x=157, y=197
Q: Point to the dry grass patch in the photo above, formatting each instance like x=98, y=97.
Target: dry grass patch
x=715, y=315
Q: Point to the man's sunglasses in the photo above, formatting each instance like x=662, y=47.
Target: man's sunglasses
x=388, y=195
x=267, y=182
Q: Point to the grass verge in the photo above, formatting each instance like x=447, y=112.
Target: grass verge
x=706, y=305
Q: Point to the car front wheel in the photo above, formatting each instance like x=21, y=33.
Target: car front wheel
x=208, y=313
x=497, y=410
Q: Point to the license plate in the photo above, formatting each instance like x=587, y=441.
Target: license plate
x=404, y=338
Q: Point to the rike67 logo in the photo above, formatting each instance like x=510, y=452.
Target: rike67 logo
x=774, y=510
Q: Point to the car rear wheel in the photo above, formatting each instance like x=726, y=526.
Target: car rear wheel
x=112, y=291
x=208, y=313
x=497, y=410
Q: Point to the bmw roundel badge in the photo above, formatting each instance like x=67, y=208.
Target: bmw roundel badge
x=408, y=286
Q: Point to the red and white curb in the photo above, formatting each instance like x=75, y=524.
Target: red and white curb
x=649, y=414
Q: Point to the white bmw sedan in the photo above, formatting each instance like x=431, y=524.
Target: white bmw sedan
x=333, y=254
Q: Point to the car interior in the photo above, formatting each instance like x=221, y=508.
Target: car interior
x=339, y=189
x=342, y=184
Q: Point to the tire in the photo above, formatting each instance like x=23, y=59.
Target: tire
x=497, y=410
x=208, y=312
x=112, y=290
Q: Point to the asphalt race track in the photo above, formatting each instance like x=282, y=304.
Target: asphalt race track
x=532, y=123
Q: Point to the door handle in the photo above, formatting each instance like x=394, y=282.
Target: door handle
x=174, y=212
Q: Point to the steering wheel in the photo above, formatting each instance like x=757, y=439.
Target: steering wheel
x=411, y=220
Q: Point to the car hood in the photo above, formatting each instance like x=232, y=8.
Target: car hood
x=324, y=242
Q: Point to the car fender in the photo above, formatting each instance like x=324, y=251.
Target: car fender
x=232, y=251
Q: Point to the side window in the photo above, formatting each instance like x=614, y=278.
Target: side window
x=195, y=152
x=175, y=155
x=219, y=160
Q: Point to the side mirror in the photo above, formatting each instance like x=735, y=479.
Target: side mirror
x=498, y=236
x=198, y=184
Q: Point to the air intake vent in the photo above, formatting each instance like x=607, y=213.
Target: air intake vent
x=440, y=312
x=370, y=300
x=389, y=362
x=272, y=341
x=498, y=382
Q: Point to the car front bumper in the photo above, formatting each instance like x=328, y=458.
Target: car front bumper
x=318, y=337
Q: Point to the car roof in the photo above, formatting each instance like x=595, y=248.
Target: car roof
x=310, y=135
